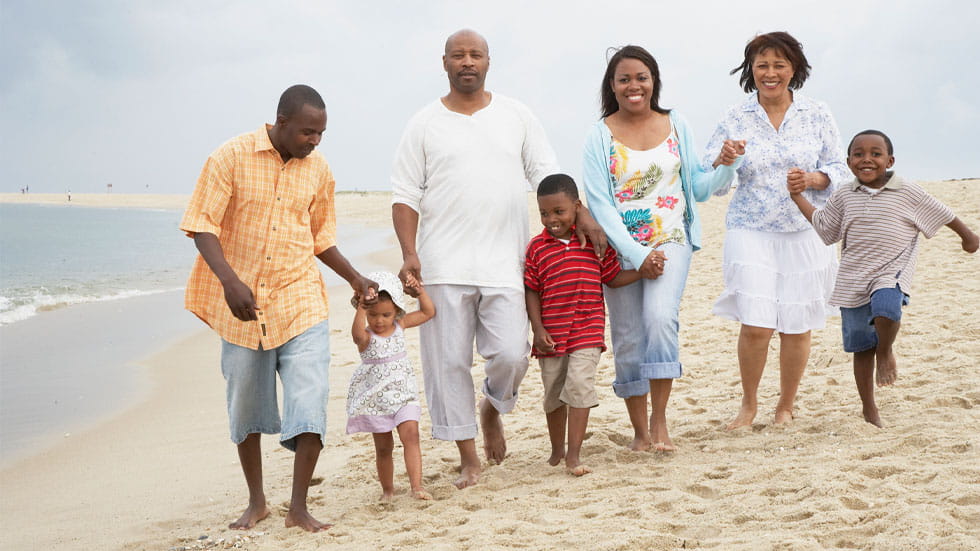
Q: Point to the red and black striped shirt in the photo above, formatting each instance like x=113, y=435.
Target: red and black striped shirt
x=569, y=279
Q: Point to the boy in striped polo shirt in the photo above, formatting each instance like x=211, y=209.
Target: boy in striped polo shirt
x=878, y=217
x=563, y=288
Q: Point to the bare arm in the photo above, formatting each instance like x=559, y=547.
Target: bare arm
x=542, y=339
x=796, y=187
x=586, y=228
x=364, y=289
x=406, y=222
x=239, y=297
x=426, y=311
x=970, y=240
x=359, y=329
x=624, y=278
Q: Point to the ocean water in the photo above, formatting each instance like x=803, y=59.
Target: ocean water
x=85, y=295
x=53, y=256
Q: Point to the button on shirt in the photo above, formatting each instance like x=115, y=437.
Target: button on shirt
x=271, y=218
x=808, y=138
x=879, y=236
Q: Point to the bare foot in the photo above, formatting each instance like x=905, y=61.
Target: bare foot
x=577, y=470
x=639, y=444
x=421, y=493
x=305, y=520
x=783, y=417
x=494, y=443
x=873, y=418
x=386, y=496
x=556, y=457
x=744, y=418
x=252, y=515
x=468, y=476
x=661, y=439
x=886, y=369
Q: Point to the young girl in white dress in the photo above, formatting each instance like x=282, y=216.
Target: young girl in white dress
x=383, y=394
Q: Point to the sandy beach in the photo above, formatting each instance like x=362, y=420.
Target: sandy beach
x=163, y=474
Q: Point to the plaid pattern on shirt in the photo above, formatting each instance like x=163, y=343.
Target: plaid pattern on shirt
x=271, y=218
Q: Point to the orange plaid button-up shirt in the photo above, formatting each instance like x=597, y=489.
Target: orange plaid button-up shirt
x=271, y=218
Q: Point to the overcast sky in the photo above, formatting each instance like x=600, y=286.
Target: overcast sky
x=137, y=94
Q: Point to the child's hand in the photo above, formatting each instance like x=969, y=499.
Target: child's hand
x=412, y=285
x=796, y=181
x=543, y=342
x=971, y=243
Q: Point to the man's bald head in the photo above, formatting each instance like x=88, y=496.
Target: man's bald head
x=466, y=34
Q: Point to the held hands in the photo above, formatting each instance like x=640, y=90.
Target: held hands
x=796, y=181
x=240, y=300
x=411, y=271
x=731, y=150
x=653, y=265
x=365, y=292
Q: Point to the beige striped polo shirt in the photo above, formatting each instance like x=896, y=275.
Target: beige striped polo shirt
x=878, y=234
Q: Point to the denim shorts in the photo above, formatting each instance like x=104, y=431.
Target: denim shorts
x=857, y=324
x=302, y=364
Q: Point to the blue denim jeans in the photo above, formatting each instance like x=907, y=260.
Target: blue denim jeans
x=643, y=319
x=858, y=324
x=302, y=364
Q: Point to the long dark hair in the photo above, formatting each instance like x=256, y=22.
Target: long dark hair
x=606, y=94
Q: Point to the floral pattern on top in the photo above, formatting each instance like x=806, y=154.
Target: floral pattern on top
x=648, y=191
x=808, y=138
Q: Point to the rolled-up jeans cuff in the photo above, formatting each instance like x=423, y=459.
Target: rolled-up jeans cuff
x=661, y=370
x=632, y=388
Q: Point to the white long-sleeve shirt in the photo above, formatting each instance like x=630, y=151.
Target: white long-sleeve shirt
x=467, y=177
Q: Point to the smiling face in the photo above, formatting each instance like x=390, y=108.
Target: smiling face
x=299, y=134
x=466, y=61
x=632, y=83
x=869, y=160
x=772, y=74
x=558, y=214
x=381, y=316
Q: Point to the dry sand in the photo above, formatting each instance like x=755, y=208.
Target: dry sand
x=164, y=475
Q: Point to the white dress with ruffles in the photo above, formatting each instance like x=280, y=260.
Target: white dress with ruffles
x=383, y=392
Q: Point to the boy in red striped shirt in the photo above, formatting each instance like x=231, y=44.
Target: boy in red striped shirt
x=563, y=288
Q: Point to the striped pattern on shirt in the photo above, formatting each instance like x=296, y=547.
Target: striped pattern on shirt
x=271, y=218
x=569, y=279
x=878, y=235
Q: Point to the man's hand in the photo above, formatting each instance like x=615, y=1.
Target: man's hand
x=410, y=273
x=240, y=300
x=365, y=291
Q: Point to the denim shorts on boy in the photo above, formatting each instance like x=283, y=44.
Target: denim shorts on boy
x=857, y=324
x=302, y=363
x=570, y=379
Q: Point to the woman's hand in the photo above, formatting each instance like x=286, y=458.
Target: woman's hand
x=799, y=179
x=587, y=227
x=731, y=150
x=653, y=265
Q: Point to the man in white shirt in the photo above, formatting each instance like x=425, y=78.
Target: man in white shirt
x=459, y=209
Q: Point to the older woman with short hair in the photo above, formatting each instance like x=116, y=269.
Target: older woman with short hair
x=778, y=273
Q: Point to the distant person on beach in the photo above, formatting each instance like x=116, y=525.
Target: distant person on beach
x=878, y=218
x=383, y=395
x=563, y=288
x=778, y=274
x=459, y=209
x=262, y=209
x=643, y=178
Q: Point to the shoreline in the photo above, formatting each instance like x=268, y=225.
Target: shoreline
x=163, y=473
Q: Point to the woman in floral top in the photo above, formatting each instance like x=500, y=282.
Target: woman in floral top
x=642, y=179
x=778, y=273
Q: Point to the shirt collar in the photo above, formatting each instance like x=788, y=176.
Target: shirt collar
x=893, y=183
x=262, y=140
x=547, y=235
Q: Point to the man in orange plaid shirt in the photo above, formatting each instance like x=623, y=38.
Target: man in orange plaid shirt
x=262, y=209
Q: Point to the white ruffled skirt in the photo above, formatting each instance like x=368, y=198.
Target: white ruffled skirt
x=781, y=281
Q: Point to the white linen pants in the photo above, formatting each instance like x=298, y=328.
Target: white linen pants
x=496, y=318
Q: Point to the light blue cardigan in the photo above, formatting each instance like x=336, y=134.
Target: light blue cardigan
x=698, y=184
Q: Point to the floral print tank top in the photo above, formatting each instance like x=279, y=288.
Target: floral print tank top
x=648, y=192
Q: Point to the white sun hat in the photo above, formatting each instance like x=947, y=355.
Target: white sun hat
x=389, y=283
